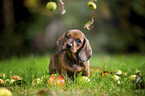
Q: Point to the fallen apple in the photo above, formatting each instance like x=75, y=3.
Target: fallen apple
x=51, y=81
x=105, y=73
x=36, y=81
x=60, y=81
x=5, y=92
x=84, y=79
x=133, y=77
x=51, y=6
x=16, y=77
x=16, y=80
x=119, y=72
x=91, y=5
x=56, y=79
x=2, y=82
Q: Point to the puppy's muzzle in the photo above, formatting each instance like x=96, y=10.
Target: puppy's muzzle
x=69, y=45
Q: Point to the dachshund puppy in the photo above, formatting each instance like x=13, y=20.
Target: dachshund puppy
x=72, y=56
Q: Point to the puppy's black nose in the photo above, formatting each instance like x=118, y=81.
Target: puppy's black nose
x=68, y=45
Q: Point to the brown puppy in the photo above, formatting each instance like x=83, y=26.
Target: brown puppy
x=73, y=54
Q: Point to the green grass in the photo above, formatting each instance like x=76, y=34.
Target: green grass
x=32, y=67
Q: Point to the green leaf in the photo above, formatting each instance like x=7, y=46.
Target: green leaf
x=89, y=24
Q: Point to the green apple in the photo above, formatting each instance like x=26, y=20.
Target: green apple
x=84, y=79
x=51, y=6
x=91, y=5
x=5, y=92
x=133, y=77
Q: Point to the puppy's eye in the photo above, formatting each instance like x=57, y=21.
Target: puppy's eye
x=67, y=36
x=79, y=41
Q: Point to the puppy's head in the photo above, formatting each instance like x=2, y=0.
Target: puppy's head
x=74, y=41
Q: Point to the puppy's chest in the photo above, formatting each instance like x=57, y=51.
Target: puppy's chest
x=72, y=59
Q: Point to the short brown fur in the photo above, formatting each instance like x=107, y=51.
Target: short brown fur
x=73, y=54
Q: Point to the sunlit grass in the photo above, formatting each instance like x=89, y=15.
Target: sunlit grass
x=33, y=67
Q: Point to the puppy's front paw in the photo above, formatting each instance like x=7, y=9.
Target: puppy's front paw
x=77, y=68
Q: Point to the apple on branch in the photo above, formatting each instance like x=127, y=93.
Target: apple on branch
x=91, y=5
x=51, y=6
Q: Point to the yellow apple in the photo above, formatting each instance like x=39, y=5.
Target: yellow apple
x=5, y=92
x=84, y=79
x=51, y=6
x=133, y=77
x=91, y=5
x=119, y=72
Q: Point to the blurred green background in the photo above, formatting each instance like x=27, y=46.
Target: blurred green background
x=26, y=27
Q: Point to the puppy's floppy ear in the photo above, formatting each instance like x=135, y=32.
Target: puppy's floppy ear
x=86, y=51
x=60, y=43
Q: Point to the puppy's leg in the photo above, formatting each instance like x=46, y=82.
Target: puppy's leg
x=86, y=73
x=78, y=68
x=86, y=70
x=52, y=66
